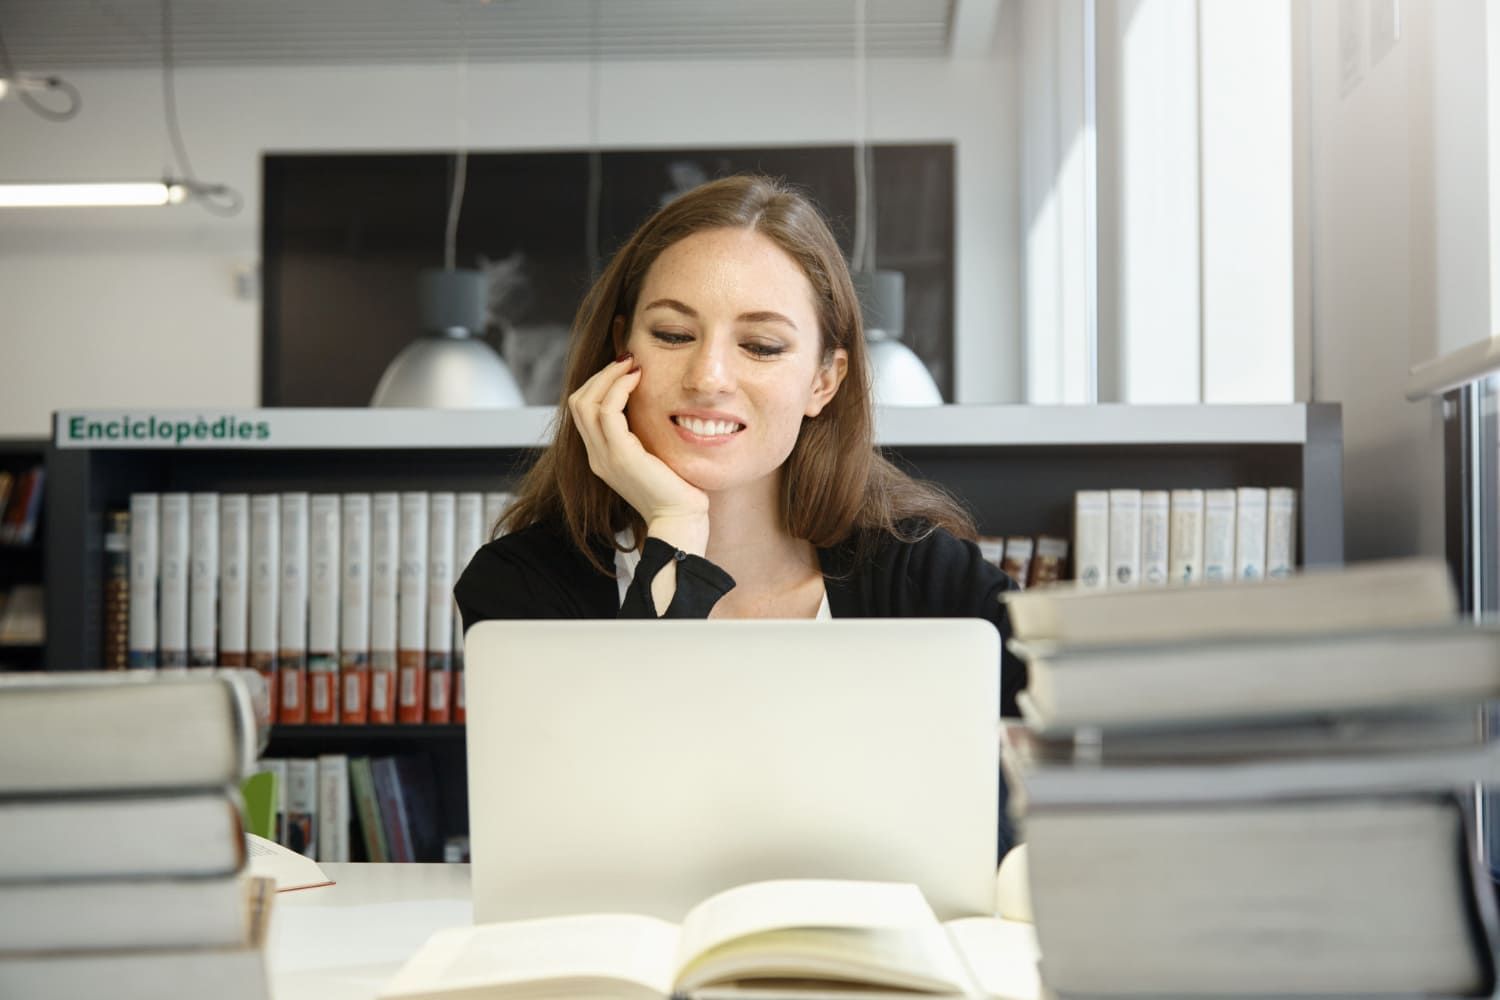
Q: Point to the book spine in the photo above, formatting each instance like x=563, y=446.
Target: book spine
x=367, y=808
x=385, y=571
x=1250, y=533
x=441, y=539
x=175, y=535
x=1091, y=538
x=1016, y=560
x=411, y=610
x=468, y=536
x=1124, y=538
x=1218, y=535
x=354, y=614
x=265, y=592
x=116, y=636
x=1281, y=532
x=1185, y=544
x=203, y=580
x=1155, y=506
x=392, y=810
x=992, y=550
x=144, y=567
x=1050, y=560
x=302, y=806
x=324, y=572
x=278, y=768
x=292, y=647
x=25, y=532
x=333, y=807
x=234, y=580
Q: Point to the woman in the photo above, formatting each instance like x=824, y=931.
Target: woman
x=716, y=455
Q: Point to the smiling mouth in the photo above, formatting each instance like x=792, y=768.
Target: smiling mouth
x=708, y=428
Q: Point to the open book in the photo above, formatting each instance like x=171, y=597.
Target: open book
x=285, y=866
x=803, y=937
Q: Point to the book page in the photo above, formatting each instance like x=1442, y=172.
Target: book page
x=1001, y=954
x=631, y=951
x=832, y=924
x=289, y=869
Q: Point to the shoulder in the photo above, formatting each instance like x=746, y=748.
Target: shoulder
x=536, y=572
x=923, y=570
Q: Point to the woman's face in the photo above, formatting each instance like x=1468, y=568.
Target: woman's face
x=726, y=334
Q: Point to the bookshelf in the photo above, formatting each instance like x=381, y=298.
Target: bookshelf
x=21, y=564
x=1017, y=468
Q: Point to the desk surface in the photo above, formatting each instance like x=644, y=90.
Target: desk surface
x=344, y=941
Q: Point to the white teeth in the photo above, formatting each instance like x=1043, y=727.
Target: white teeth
x=708, y=428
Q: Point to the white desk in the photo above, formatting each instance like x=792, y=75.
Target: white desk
x=344, y=941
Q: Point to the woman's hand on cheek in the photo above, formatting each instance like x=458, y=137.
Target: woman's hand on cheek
x=673, y=509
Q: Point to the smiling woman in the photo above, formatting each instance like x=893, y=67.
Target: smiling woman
x=716, y=457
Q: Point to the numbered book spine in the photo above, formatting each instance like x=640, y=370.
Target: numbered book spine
x=333, y=807
x=1250, y=533
x=203, y=580
x=1050, y=560
x=1281, y=532
x=1016, y=558
x=1185, y=546
x=1218, y=535
x=324, y=572
x=116, y=636
x=411, y=609
x=292, y=649
x=1124, y=538
x=175, y=545
x=1155, y=506
x=234, y=580
x=441, y=511
x=354, y=614
x=468, y=536
x=265, y=593
x=1091, y=538
x=302, y=806
x=385, y=572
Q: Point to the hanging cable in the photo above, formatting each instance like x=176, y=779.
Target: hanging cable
x=461, y=157
x=24, y=86
x=219, y=199
x=862, y=221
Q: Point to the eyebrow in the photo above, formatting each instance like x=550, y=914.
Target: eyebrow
x=764, y=316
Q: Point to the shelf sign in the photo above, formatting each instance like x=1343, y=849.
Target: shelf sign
x=79, y=430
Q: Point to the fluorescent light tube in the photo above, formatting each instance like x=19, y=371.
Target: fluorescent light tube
x=80, y=195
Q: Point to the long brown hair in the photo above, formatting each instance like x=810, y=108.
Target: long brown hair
x=836, y=487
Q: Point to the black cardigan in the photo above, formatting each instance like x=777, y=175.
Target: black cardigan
x=538, y=573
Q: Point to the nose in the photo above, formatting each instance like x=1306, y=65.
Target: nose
x=710, y=370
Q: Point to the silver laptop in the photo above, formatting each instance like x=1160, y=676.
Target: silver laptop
x=641, y=766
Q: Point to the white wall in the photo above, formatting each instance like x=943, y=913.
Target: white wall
x=1399, y=261
x=136, y=307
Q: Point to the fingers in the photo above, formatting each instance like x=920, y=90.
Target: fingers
x=589, y=409
x=612, y=422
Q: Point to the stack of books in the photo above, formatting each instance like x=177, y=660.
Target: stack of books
x=122, y=870
x=1258, y=787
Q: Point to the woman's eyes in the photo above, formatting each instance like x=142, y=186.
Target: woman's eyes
x=755, y=348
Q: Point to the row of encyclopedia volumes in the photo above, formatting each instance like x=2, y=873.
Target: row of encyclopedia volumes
x=1029, y=561
x=344, y=602
x=1130, y=537
x=340, y=808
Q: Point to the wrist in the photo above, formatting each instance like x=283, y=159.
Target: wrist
x=688, y=532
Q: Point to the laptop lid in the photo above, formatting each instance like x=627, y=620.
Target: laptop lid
x=641, y=766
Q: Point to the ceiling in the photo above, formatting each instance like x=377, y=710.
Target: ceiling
x=55, y=35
